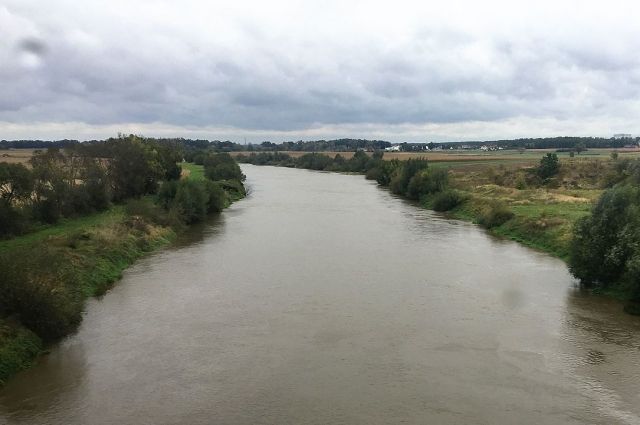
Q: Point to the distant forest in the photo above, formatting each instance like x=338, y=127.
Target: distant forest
x=350, y=145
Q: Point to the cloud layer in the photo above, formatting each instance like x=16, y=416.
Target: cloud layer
x=287, y=70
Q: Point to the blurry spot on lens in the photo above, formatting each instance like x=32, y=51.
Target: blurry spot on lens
x=31, y=52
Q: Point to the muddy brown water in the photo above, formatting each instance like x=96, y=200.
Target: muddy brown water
x=322, y=299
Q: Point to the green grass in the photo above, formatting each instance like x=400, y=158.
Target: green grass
x=565, y=210
x=64, y=227
x=196, y=172
x=539, y=221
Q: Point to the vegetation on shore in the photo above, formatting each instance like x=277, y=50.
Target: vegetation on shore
x=49, y=270
x=547, y=206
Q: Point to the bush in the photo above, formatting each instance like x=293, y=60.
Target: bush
x=42, y=291
x=404, y=173
x=147, y=210
x=314, y=161
x=167, y=193
x=373, y=173
x=446, y=200
x=217, y=197
x=14, y=220
x=427, y=182
x=234, y=189
x=18, y=347
x=222, y=167
x=549, y=166
x=191, y=200
x=495, y=214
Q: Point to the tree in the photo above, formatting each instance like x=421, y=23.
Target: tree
x=53, y=184
x=16, y=186
x=192, y=200
x=549, y=166
x=223, y=167
x=16, y=182
x=134, y=169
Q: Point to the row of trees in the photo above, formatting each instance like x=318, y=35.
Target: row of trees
x=81, y=179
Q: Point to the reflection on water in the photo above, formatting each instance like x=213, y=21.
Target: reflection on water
x=322, y=299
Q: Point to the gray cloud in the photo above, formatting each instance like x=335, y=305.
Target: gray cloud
x=294, y=68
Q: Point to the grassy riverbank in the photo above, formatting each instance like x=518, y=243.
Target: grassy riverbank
x=51, y=272
x=48, y=274
x=542, y=217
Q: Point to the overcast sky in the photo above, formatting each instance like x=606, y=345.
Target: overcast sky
x=289, y=70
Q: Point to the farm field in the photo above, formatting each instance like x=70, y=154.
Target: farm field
x=476, y=155
x=16, y=156
x=466, y=157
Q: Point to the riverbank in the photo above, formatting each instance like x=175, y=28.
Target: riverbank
x=540, y=218
x=48, y=274
x=54, y=270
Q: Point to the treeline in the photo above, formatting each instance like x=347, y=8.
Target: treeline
x=338, y=145
x=187, y=144
x=605, y=251
x=37, y=144
x=193, y=146
x=89, y=177
x=81, y=179
x=577, y=144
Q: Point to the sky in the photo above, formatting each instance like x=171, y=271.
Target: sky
x=413, y=71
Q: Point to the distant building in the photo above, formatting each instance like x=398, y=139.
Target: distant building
x=395, y=148
x=622, y=136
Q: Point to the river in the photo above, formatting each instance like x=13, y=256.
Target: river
x=323, y=299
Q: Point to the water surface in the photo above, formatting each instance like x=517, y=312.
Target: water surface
x=322, y=299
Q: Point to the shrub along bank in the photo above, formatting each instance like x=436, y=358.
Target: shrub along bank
x=47, y=275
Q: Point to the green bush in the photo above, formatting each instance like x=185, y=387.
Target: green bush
x=217, y=197
x=222, y=167
x=446, y=200
x=427, y=182
x=314, y=161
x=549, y=166
x=373, y=173
x=42, y=290
x=14, y=220
x=167, y=193
x=191, y=200
x=404, y=173
x=18, y=347
x=234, y=189
x=494, y=214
